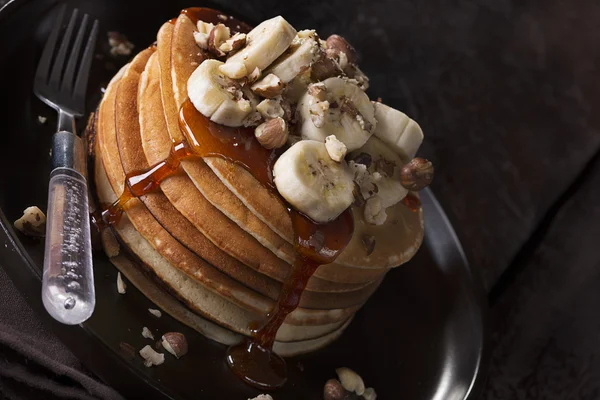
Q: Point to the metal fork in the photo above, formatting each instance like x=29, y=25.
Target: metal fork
x=68, y=282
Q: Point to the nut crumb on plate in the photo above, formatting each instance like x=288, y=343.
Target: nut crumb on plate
x=121, y=286
x=262, y=397
x=155, y=312
x=147, y=334
x=32, y=223
x=151, y=357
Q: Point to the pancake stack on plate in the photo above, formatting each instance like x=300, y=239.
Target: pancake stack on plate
x=218, y=241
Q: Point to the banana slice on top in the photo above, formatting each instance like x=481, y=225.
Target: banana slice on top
x=216, y=96
x=337, y=107
x=264, y=44
x=399, y=131
x=312, y=182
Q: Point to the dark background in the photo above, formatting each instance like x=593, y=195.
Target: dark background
x=507, y=94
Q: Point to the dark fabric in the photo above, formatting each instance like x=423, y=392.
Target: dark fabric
x=548, y=324
x=34, y=364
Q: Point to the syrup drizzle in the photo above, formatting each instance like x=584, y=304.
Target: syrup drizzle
x=316, y=244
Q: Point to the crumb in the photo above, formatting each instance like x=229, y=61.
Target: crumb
x=155, y=312
x=42, y=120
x=147, y=334
x=32, y=223
x=262, y=397
x=119, y=45
x=121, y=286
x=222, y=17
x=300, y=366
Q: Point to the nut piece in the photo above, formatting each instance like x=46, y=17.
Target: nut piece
x=270, y=86
x=151, y=357
x=417, y=174
x=254, y=75
x=32, y=223
x=351, y=381
x=374, y=212
x=154, y=312
x=201, y=36
x=270, y=109
x=334, y=390
x=318, y=91
x=175, y=343
x=147, y=334
x=121, y=286
x=370, y=394
x=218, y=35
x=324, y=68
x=336, y=45
x=119, y=45
x=272, y=134
x=236, y=42
x=337, y=150
x=234, y=70
x=262, y=397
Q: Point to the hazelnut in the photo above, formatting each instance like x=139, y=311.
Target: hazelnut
x=334, y=390
x=270, y=86
x=270, y=109
x=218, y=35
x=324, y=68
x=236, y=42
x=254, y=75
x=351, y=381
x=417, y=174
x=272, y=134
x=175, y=343
x=337, y=44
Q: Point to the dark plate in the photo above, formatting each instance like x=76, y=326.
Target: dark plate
x=421, y=336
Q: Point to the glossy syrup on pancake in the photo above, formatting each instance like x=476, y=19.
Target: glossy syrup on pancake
x=316, y=244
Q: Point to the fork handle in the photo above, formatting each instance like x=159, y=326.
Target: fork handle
x=68, y=282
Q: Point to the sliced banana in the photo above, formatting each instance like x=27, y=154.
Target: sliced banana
x=216, y=96
x=312, y=182
x=346, y=113
x=300, y=55
x=399, y=131
x=265, y=43
x=378, y=176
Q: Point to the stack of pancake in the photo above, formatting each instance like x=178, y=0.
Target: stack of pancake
x=218, y=241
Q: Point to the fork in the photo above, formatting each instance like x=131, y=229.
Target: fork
x=68, y=282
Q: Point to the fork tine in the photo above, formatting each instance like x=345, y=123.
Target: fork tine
x=84, y=68
x=69, y=76
x=57, y=68
x=43, y=69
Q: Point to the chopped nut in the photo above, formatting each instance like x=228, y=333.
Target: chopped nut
x=359, y=199
x=370, y=394
x=351, y=381
x=155, y=312
x=121, y=286
x=318, y=91
x=362, y=158
x=270, y=108
x=252, y=119
x=318, y=113
x=270, y=86
x=369, y=242
x=175, y=343
x=334, y=390
x=254, y=75
x=324, y=68
x=147, y=334
x=204, y=27
x=355, y=74
x=272, y=134
x=234, y=70
x=201, y=39
x=236, y=42
x=374, y=212
x=222, y=17
x=119, y=45
x=32, y=223
x=337, y=150
x=42, y=120
x=417, y=174
x=262, y=397
x=218, y=35
x=337, y=45
x=151, y=357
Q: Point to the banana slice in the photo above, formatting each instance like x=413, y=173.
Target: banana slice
x=216, y=96
x=339, y=108
x=300, y=55
x=377, y=171
x=264, y=44
x=399, y=131
x=312, y=182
